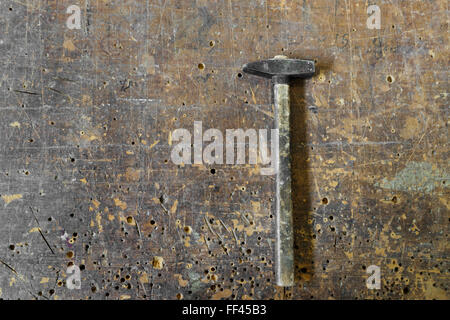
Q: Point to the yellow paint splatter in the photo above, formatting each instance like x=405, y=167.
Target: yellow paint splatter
x=321, y=77
x=380, y=251
x=68, y=44
x=154, y=144
x=96, y=203
x=253, y=96
x=256, y=206
x=187, y=242
x=8, y=198
x=158, y=262
x=182, y=282
x=93, y=137
x=86, y=100
x=98, y=218
x=120, y=203
x=144, y=278
x=15, y=124
x=434, y=292
x=395, y=236
x=44, y=280
x=133, y=174
x=174, y=207
x=170, y=138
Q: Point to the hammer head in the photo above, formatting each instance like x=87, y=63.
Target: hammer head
x=281, y=69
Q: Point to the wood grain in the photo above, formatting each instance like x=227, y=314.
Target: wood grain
x=85, y=170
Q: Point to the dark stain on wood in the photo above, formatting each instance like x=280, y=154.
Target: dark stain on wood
x=86, y=122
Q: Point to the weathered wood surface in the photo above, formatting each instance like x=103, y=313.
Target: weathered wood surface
x=85, y=149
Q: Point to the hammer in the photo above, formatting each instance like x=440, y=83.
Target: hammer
x=281, y=69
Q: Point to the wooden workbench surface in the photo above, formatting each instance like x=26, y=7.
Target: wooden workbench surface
x=86, y=177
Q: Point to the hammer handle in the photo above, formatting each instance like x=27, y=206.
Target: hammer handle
x=284, y=230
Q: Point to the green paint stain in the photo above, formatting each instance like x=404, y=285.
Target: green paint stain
x=416, y=176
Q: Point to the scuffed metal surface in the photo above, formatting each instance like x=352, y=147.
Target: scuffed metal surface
x=284, y=234
x=86, y=177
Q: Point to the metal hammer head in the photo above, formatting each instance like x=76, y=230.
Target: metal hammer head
x=280, y=69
